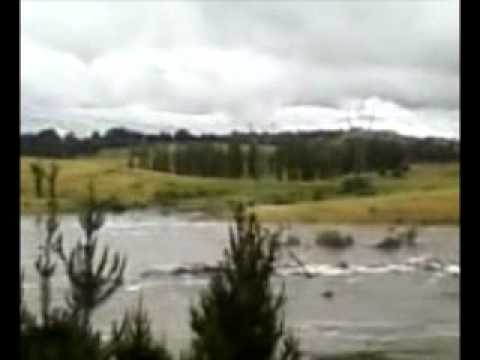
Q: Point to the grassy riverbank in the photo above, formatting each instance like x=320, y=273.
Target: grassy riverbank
x=427, y=194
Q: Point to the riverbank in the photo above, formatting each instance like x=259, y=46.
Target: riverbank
x=428, y=194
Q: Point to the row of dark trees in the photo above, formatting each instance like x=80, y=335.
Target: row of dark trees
x=200, y=159
x=293, y=160
x=48, y=143
x=239, y=316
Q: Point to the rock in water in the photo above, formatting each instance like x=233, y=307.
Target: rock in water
x=335, y=240
x=390, y=243
x=396, y=241
x=328, y=294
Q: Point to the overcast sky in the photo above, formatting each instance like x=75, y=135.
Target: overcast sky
x=217, y=66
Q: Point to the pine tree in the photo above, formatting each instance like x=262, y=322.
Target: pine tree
x=234, y=159
x=67, y=333
x=279, y=160
x=306, y=161
x=161, y=160
x=219, y=162
x=239, y=315
x=90, y=285
x=134, y=340
x=44, y=264
x=61, y=338
x=144, y=156
x=253, y=161
x=57, y=336
x=292, y=156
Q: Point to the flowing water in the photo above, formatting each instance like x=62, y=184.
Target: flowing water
x=405, y=302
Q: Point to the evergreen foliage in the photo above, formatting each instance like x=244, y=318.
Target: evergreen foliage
x=59, y=335
x=240, y=315
x=161, y=159
x=235, y=159
x=44, y=264
x=90, y=285
x=253, y=161
x=298, y=158
x=357, y=185
x=143, y=154
x=26, y=319
x=134, y=340
x=61, y=338
x=48, y=143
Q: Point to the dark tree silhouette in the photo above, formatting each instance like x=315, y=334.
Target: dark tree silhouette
x=161, y=159
x=143, y=154
x=240, y=316
x=234, y=159
x=44, y=264
x=26, y=319
x=182, y=135
x=90, y=285
x=38, y=176
x=134, y=340
x=253, y=161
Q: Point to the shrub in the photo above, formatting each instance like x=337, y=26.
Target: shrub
x=400, y=170
x=397, y=173
x=382, y=171
x=357, y=185
x=318, y=194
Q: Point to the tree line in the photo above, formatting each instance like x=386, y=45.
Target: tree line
x=48, y=143
x=238, y=316
x=288, y=161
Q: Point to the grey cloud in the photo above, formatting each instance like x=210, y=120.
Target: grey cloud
x=156, y=64
x=397, y=33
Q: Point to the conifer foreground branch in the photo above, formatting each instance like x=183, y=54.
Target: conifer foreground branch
x=44, y=263
x=91, y=284
x=240, y=316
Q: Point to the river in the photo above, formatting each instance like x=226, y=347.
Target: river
x=405, y=302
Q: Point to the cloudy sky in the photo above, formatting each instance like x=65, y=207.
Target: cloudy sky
x=217, y=66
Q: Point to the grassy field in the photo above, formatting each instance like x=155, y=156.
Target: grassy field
x=427, y=194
